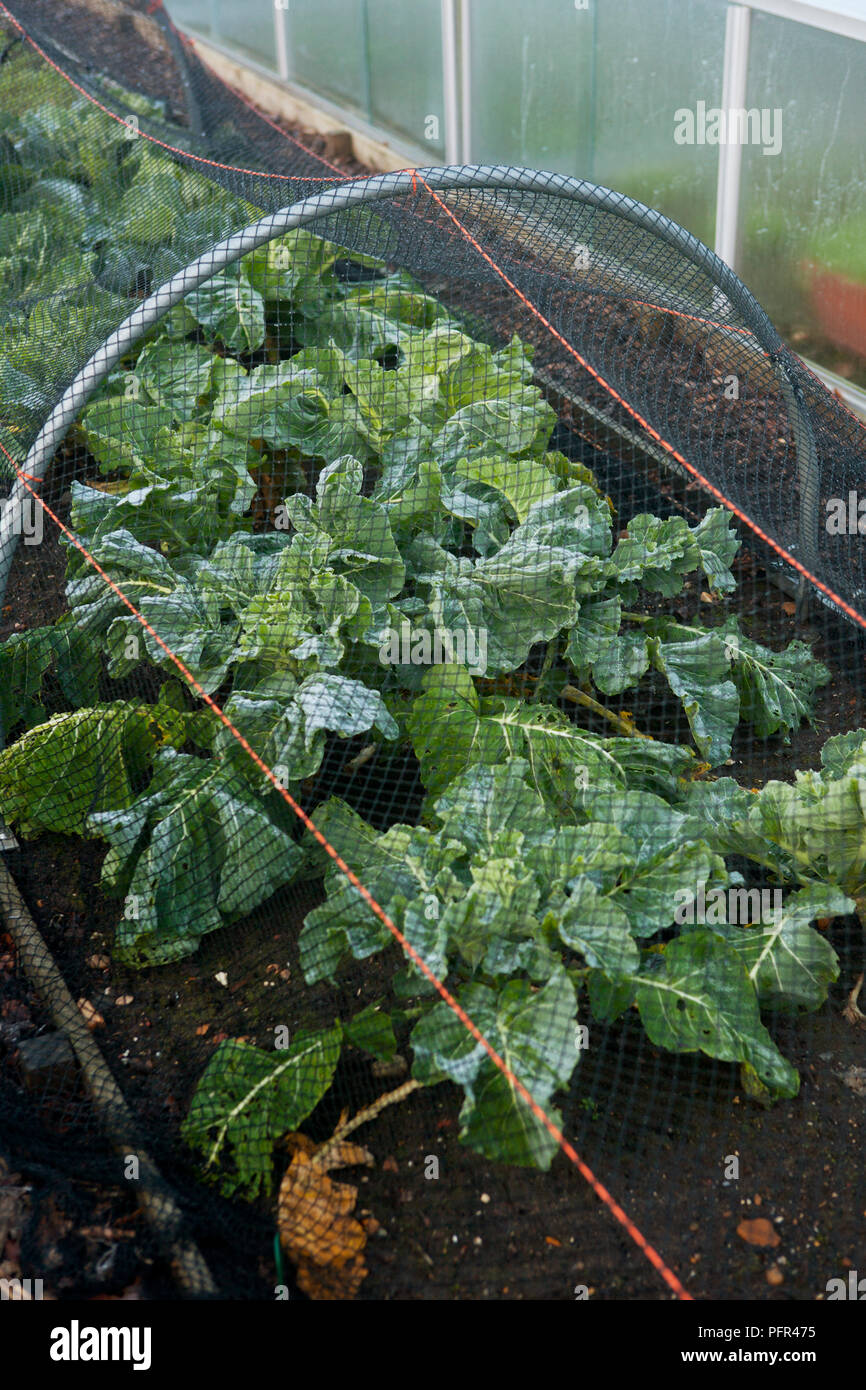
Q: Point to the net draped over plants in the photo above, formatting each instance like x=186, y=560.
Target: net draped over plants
x=431, y=692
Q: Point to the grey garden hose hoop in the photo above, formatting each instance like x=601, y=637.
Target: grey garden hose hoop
x=379, y=186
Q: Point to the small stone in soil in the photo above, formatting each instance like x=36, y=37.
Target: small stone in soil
x=47, y=1058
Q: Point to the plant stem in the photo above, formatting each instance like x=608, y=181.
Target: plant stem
x=637, y=617
x=579, y=697
x=363, y=1117
x=549, y=658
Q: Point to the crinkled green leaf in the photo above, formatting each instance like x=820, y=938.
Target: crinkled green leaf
x=401, y=866
x=696, y=667
x=776, y=689
x=718, y=544
x=789, y=963
x=523, y=482
x=230, y=310
x=534, y=1032
x=658, y=553
x=593, y=925
x=697, y=995
x=58, y=773
x=196, y=850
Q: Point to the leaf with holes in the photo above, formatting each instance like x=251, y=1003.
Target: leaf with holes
x=534, y=1033
x=248, y=1099
x=696, y=995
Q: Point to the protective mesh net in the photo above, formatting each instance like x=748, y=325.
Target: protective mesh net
x=479, y=531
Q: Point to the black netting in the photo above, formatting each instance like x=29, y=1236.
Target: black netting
x=474, y=527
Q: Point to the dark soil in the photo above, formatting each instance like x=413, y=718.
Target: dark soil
x=659, y=1131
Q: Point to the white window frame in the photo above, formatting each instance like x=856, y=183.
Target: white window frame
x=836, y=21
x=734, y=78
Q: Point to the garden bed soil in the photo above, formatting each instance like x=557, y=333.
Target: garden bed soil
x=658, y=1130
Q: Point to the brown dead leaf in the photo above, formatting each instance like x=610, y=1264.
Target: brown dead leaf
x=317, y=1231
x=91, y=1016
x=775, y=1276
x=760, y=1231
x=789, y=608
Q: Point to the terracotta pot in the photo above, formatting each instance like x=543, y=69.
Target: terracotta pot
x=839, y=304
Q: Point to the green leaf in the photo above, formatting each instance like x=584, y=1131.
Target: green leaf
x=248, y=1099
x=389, y=400
x=489, y=426
x=789, y=963
x=592, y=924
x=372, y=1031
x=598, y=624
x=521, y=595
x=485, y=802
x=622, y=664
x=657, y=553
x=815, y=829
x=121, y=433
x=696, y=668
x=452, y=729
x=718, y=544
x=354, y=529
x=402, y=866
x=494, y=927
x=230, y=310
x=176, y=376
x=534, y=1032
x=522, y=482
x=697, y=995
x=776, y=689
x=720, y=813
x=24, y=659
x=56, y=774
x=659, y=862
x=192, y=853
x=288, y=730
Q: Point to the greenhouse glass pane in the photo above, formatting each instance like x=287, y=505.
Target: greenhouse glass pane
x=593, y=92
x=531, y=82
x=803, y=211
x=327, y=49
x=249, y=28
x=200, y=16
x=405, y=46
x=651, y=62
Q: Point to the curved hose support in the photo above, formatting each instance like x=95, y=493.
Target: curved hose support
x=456, y=178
